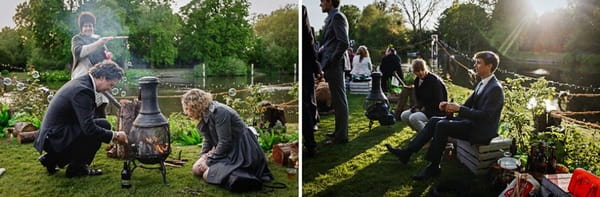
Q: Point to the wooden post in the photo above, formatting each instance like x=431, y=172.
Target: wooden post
x=23, y=127
x=295, y=72
x=251, y=74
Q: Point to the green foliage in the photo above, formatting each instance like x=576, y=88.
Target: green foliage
x=279, y=34
x=46, y=27
x=521, y=105
x=269, y=137
x=4, y=118
x=227, y=66
x=133, y=74
x=213, y=29
x=249, y=107
x=55, y=75
x=353, y=14
x=12, y=51
x=183, y=130
x=576, y=147
x=153, y=35
x=378, y=28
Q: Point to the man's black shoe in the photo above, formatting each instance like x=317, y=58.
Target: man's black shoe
x=330, y=135
x=430, y=171
x=402, y=154
x=51, y=167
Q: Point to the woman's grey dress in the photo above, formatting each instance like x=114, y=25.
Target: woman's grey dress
x=236, y=146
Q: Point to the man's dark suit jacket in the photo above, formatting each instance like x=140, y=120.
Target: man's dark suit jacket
x=69, y=115
x=483, y=110
x=430, y=93
x=335, y=41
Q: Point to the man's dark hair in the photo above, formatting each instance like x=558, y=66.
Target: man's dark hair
x=488, y=57
x=336, y=3
x=86, y=17
x=107, y=69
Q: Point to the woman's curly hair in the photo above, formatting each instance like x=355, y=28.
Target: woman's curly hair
x=195, y=103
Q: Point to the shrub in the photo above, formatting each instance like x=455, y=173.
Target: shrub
x=55, y=75
x=183, y=130
x=228, y=66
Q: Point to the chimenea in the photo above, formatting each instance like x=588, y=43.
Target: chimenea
x=376, y=105
x=149, y=138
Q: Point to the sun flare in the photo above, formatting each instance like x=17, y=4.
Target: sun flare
x=543, y=6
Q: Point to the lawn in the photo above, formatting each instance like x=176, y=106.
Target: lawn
x=25, y=176
x=363, y=167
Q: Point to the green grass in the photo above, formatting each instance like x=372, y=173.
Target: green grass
x=25, y=176
x=363, y=167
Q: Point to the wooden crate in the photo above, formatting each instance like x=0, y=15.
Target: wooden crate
x=360, y=87
x=478, y=158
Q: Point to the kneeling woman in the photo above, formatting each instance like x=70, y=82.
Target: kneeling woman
x=229, y=145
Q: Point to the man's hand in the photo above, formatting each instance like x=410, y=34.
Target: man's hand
x=452, y=107
x=120, y=137
x=319, y=76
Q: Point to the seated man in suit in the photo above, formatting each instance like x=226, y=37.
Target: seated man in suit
x=70, y=134
x=477, y=119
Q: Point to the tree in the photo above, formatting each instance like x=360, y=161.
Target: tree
x=377, y=29
x=278, y=32
x=12, y=51
x=464, y=26
x=419, y=12
x=46, y=32
x=214, y=29
x=153, y=33
x=352, y=13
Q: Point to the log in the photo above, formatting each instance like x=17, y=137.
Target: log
x=25, y=137
x=126, y=115
x=23, y=127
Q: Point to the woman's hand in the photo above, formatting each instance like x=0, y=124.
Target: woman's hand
x=106, y=39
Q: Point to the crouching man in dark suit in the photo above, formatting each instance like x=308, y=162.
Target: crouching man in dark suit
x=70, y=134
x=477, y=120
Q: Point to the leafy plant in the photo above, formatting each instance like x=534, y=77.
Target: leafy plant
x=4, y=118
x=30, y=99
x=269, y=137
x=249, y=107
x=183, y=130
x=517, y=117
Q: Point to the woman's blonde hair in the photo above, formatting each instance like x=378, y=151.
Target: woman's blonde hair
x=362, y=51
x=195, y=102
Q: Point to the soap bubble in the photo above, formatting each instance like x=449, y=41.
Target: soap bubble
x=35, y=74
x=114, y=91
x=232, y=92
x=49, y=98
x=7, y=81
x=20, y=86
x=123, y=93
x=124, y=79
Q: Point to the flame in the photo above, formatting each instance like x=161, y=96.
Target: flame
x=160, y=148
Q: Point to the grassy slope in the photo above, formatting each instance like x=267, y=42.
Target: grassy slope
x=363, y=167
x=24, y=176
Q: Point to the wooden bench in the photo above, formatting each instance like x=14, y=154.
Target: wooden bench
x=478, y=158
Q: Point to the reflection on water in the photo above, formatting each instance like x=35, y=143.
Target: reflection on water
x=175, y=82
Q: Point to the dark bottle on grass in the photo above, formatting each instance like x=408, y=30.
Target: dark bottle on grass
x=125, y=176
